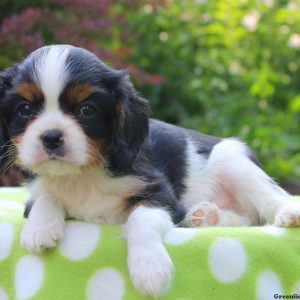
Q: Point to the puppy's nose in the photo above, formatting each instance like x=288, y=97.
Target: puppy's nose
x=52, y=139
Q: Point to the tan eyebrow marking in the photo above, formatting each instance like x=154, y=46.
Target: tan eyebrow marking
x=79, y=92
x=29, y=91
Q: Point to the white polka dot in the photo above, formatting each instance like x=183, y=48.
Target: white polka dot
x=80, y=240
x=11, y=190
x=29, y=276
x=227, y=260
x=106, y=284
x=3, y=295
x=275, y=231
x=10, y=205
x=6, y=239
x=177, y=236
x=268, y=285
x=3, y=213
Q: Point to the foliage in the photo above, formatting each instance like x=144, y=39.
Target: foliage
x=231, y=68
x=227, y=68
x=98, y=26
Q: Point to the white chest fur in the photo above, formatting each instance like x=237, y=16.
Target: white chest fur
x=91, y=196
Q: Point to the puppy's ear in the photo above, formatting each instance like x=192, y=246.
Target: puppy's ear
x=4, y=142
x=6, y=78
x=130, y=128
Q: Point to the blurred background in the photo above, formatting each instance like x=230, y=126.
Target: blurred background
x=226, y=68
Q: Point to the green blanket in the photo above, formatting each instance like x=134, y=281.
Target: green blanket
x=90, y=263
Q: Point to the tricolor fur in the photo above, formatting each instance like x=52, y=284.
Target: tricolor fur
x=84, y=133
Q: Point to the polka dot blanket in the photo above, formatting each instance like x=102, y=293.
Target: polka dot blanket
x=90, y=263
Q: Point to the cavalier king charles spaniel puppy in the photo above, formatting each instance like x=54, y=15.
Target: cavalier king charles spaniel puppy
x=84, y=133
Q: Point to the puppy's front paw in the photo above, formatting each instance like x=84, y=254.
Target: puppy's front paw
x=150, y=270
x=38, y=237
x=288, y=216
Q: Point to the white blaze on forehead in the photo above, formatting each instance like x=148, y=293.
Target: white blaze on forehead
x=52, y=73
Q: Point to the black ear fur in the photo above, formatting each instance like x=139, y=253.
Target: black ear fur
x=130, y=129
x=6, y=78
x=4, y=142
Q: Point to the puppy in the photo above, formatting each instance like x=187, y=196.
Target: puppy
x=84, y=132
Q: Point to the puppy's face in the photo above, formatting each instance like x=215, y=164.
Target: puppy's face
x=64, y=109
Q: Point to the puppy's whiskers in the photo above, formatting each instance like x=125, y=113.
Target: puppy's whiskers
x=9, y=164
x=7, y=144
x=11, y=150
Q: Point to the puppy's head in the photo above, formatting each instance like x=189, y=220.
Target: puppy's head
x=63, y=109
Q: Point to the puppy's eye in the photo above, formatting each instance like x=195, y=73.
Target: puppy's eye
x=24, y=110
x=88, y=110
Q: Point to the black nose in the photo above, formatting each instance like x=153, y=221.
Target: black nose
x=52, y=139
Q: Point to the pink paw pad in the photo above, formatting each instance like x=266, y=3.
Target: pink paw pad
x=289, y=217
x=207, y=216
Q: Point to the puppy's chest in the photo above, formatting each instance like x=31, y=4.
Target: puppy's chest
x=97, y=198
x=98, y=205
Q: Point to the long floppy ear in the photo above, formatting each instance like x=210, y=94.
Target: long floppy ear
x=6, y=78
x=3, y=143
x=130, y=128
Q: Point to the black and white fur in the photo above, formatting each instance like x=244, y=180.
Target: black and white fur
x=85, y=134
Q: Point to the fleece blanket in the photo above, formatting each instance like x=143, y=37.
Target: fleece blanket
x=90, y=263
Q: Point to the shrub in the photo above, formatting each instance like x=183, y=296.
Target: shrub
x=231, y=68
x=227, y=68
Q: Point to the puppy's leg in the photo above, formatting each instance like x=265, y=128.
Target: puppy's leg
x=149, y=264
x=45, y=225
x=206, y=214
x=256, y=193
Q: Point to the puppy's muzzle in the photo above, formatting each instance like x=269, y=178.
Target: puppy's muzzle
x=53, y=143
